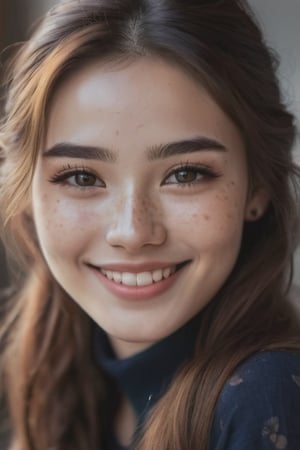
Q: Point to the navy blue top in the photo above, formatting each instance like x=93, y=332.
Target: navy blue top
x=258, y=408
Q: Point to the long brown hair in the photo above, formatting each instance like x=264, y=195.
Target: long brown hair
x=56, y=394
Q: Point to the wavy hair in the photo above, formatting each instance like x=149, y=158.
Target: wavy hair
x=56, y=395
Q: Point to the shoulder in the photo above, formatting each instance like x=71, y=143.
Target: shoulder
x=259, y=406
x=266, y=368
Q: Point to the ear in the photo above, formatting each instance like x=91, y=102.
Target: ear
x=257, y=204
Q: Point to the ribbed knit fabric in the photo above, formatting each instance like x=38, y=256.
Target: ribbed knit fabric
x=145, y=376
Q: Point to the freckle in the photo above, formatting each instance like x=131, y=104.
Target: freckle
x=232, y=183
x=117, y=132
x=206, y=216
x=57, y=201
x=141, y=125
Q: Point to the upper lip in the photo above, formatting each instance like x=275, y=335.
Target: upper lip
x=136, y=268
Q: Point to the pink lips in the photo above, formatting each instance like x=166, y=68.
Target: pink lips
x=136, y=292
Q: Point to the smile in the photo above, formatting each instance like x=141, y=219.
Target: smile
x=138, y=284
x=139, y=279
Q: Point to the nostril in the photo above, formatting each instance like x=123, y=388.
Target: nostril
x=132, y=235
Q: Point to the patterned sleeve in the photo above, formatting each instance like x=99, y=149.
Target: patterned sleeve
x=259, y=406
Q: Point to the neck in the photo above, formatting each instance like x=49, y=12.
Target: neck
x=144, y=376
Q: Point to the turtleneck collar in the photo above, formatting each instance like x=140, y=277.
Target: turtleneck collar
x=145, y=376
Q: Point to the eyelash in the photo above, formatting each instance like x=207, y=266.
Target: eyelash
x=66, y=172
x=206, y=172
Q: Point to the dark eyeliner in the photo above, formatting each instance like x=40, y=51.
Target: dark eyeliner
x=206, y=171
x=69, y=171
x=61, y=177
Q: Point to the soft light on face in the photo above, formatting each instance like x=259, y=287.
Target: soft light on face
x=110, y=193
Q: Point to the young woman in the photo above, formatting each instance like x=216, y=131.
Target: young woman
x=148, y=197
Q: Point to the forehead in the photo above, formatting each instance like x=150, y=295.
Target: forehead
x=147, y=95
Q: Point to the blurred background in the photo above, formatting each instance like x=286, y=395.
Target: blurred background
x=282, y=31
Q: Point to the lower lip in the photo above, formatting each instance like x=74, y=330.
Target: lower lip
x=137, y=292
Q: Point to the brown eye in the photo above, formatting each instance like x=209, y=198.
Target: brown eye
x=85, y=179
x=186, y=176
x=78, y=178
x=190, y=175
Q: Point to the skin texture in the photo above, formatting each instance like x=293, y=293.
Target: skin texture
x=136, y=212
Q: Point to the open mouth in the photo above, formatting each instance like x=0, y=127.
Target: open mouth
x=141, y=278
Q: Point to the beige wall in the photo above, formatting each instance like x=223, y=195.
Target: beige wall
x=16, y=17
x=36, y=8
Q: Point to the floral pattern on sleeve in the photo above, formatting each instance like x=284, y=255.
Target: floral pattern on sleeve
x=271, y=429
x=259, y=406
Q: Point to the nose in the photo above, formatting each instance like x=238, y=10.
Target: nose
x=137, y=223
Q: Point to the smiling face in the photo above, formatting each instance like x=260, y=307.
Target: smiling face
x=139, y=197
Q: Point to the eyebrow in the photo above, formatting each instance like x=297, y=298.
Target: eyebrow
x=70, y=150
x=156, y=152
x=196, y=144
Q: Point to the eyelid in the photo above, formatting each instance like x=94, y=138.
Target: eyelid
x=68, y=171
x=206, y=170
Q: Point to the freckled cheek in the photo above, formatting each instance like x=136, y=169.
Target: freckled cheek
x=219, y=218
x=61, y=227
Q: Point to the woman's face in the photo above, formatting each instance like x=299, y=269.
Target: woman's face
x=139, y=197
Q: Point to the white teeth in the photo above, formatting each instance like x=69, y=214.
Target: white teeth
x=117, y=277
x=129, y=279
x=144, y=278
x=139, y=279
x=109, y=274
x=157, y=275
x=167, y=272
